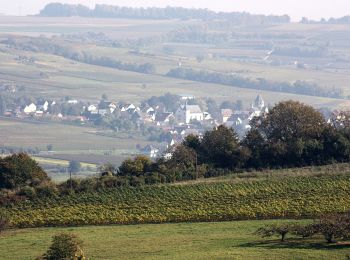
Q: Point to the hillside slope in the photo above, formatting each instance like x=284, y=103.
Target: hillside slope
x=297, y=197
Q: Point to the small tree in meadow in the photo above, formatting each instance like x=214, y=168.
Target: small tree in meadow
x=275, y=230
x=65, y=246
x=74, y=166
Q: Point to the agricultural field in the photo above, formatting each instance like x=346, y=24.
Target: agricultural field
x=66, y=77
x=288, y=197
x=79, y=143
x=224, y=240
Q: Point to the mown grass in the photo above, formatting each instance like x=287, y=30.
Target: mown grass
x=225, y=240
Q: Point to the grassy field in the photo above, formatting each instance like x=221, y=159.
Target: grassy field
x=225, y=240
x=68, y=142
x=64, y=138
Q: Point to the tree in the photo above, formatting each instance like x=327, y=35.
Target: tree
x=290, y=120
x=275, y=230
x=192, y=141
x=135, y=167
x=19, y=170
x=49, y=147
x=183, y=163
x=74, y=166
x=104, y=97
x=256, y=145
x=213, y=108
x=293, y=133
x=333, y=226
x=65, y=246
x=220, y=147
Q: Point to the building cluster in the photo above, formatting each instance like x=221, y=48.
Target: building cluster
x=187, y=119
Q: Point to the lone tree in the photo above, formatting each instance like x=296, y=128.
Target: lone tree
x=275, y=230
x=65, y=246
x=19, y=170
x=74, y=166
x=333, y=226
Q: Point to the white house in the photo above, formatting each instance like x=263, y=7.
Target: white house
x=72, y=101
x=226, y=114
x=92, y=109
x=186, y=97
x=43, y=106
x=150, y=151
x=128, y=107
x=187, y=113
x=164, y=118
x=30, y=109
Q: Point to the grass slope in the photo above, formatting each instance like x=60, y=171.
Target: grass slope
x=225, y=240
x=276, y=198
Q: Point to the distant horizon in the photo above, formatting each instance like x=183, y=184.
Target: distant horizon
x=296, y=9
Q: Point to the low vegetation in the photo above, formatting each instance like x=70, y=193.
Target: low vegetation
x=299, y=197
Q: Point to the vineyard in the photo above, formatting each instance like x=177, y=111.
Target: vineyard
x=298, y=197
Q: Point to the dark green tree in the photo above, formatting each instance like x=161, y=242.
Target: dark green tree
x=19, y=170
x=220, y=147
x=65, y=246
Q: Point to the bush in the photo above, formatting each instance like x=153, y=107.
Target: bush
x=46, y=190
x=28, y=192
x=19, y=170
x=65, y=246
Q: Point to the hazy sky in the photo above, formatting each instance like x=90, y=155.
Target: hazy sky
x=314, y=9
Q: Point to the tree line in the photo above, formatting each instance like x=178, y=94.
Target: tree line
x=298, y=87
x=58, y=48
x=333, y=227
x=109, y=11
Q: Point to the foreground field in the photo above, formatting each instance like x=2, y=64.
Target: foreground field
x=299, y=197
x=225, y=240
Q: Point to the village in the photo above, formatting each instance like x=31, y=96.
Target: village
x=167, y=119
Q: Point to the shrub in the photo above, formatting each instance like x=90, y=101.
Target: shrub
x=28, y=192
x=46, y=190
x=19, y=170
x=65, y=246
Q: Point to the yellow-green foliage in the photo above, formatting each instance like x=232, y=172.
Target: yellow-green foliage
x=287, y=197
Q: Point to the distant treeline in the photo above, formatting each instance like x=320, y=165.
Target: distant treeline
x=341, y=20
x=108, y=11
x=57, y=48
x=298, y=87
x=298, y=51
